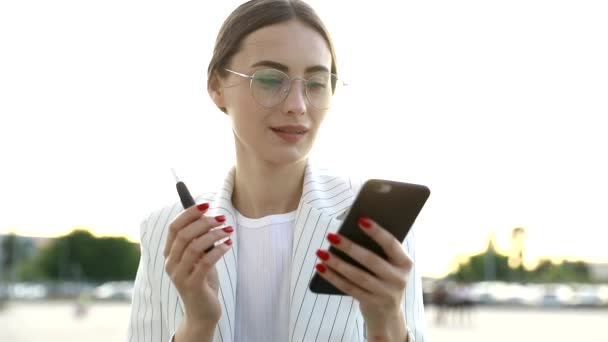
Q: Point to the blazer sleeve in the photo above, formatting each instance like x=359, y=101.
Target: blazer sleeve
x=413, y=299
x=146, y=323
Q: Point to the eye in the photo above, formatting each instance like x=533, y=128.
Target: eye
x=317, y=85
x=269, y=82
x=269, y=79
x=314, y=85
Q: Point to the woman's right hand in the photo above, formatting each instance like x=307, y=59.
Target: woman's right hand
x=191, y=270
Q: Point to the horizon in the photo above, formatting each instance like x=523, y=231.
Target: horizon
x=462, y=257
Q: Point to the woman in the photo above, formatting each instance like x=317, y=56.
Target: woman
x=273, y=73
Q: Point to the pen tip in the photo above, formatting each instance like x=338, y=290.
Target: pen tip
x=175, y=175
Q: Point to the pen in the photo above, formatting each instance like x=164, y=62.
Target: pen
x=185, y=197
x=183, y=192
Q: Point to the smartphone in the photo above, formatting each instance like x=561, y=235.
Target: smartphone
x=393, y=205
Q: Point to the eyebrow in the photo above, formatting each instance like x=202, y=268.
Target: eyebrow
x=285, y=68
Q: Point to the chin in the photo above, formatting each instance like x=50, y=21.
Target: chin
x=285, y=157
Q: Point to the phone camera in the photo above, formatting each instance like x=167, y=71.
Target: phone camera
x=384, y=188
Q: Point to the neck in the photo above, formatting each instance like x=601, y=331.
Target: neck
x=262, y=188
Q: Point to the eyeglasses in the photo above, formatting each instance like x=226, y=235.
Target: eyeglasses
x=270, y=87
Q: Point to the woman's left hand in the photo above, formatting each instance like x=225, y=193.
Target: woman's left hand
x=380, y=295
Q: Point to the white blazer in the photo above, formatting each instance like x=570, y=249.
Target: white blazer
x=157, y=308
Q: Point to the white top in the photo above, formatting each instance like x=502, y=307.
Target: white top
x=262, y=294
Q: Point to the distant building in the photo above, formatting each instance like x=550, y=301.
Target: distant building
x=599, y=272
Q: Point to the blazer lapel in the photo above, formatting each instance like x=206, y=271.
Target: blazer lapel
x=325, y=199
x=221, y=204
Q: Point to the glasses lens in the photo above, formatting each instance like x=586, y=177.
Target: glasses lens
x=319, y=89
x=269, y=87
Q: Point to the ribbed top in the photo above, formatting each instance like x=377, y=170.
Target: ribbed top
x=262, y=295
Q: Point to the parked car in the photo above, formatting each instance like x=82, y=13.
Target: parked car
x=588, y=295
x=114, y=290
x=28, y=291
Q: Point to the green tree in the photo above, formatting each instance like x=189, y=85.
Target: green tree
x=29, y=270
x=13, y=249
x=81, y=256
x=9, y=248
x=568, y=271
x=476, y=269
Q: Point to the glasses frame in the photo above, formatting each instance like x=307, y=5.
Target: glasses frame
x=291, y=79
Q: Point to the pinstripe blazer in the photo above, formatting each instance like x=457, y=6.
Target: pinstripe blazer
x=157, y=309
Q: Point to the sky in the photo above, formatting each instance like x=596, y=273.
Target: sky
x=498, y=107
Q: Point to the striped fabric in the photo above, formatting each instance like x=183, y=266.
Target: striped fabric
x=157, y=309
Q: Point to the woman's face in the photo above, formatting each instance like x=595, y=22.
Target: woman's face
x=264, y=133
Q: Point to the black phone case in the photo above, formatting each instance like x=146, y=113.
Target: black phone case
x=393, y=205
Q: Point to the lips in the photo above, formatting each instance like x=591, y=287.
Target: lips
x=290, y=129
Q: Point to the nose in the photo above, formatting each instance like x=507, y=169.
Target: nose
x=295, y=102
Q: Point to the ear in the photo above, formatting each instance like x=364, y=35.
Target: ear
x=216, y=92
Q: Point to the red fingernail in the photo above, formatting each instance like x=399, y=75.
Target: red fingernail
x=320, y=268
x=322, y=254
x=228, y=229
x=228, y=242
x=203, y=206
x=364, y=222
x=220, y=218
x=333, y=238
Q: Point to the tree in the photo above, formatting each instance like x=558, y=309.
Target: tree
x=475, y=269
x=81, y=256
x=12, y=250
x=8, y=248
x=568, y=271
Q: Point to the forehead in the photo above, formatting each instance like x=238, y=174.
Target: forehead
x=292, y=43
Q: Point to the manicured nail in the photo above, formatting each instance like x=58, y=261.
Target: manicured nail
x=220, y=218
x=333, y=238
x=364, y=222
x=228, y=229
x=320, y=268
x=203, y=206
x=323, y=255
x=228, y=242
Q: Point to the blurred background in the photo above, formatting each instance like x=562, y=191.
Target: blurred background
x=498, y=107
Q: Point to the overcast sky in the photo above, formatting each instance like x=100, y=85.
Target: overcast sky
x=498, y=107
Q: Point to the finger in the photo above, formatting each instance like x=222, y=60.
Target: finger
x=195, y=250
x=343, y=284
x=184, y=236
x=391, y=246
x=352, y=273
x=182, y=220
x=368, y=259
x=206, y=263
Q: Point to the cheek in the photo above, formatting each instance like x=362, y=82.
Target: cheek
x=318, y=117
x=243, y=110
x=249, y=126
x=244, y=125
